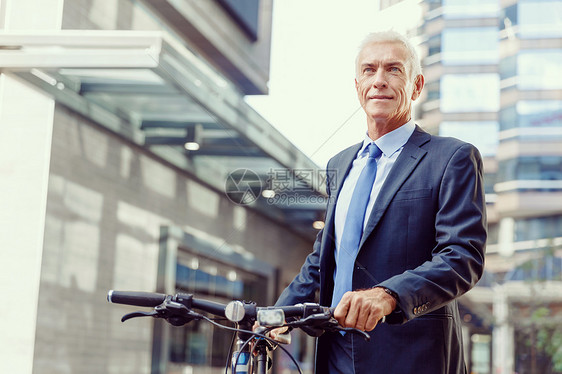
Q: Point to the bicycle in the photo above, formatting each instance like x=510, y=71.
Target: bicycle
x=252, y=347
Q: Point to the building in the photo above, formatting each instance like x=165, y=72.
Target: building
x=491, y=69
x=129, y=160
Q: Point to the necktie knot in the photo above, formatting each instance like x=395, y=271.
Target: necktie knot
x=374, y=151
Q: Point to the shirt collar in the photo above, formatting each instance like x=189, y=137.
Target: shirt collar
x=391, y=142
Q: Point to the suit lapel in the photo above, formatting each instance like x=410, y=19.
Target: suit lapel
x=405, y=164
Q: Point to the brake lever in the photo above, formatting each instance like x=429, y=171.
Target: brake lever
x=315, y=324
x=174, y=313
x=353, y=330
x=138, y=314
x=335, y=326
x=322, y=324
x=315, y=332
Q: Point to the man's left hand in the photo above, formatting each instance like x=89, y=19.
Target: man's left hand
x=364, y=309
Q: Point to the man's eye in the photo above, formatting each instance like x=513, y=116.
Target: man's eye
x=368, y=70
x=395, y=69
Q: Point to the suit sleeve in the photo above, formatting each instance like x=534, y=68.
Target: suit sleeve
x=457, y=260
x=303, y=287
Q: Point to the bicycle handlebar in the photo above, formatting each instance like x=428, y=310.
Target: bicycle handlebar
x=152, y=299
x=313, y=319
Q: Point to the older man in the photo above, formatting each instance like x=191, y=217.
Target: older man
x=405, y=231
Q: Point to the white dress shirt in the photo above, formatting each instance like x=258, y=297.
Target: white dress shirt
x=391, y=145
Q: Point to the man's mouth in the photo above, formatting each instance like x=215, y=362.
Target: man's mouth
x=380, y=97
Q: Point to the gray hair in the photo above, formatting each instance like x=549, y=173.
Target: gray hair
x=393, y=37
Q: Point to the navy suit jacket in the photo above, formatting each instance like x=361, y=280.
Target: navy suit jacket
x=424, y=240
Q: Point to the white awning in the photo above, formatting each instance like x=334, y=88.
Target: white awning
x=154, y=91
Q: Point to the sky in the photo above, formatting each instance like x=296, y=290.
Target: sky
x=312, y=98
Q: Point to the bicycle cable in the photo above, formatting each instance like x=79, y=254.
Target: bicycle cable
x=275, y=343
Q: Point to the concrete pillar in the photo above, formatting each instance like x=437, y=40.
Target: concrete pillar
x=466, y=344
x=506, y=236
x=503, y=336
x=26, y=123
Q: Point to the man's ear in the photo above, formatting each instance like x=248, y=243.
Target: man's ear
x=356, y=85
x=419, y=82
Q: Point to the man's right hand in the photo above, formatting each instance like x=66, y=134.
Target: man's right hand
x=281, y=335
x=364, y=309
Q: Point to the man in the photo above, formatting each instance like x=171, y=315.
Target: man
x=402, y=246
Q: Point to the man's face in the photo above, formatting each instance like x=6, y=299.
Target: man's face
x=384, y=86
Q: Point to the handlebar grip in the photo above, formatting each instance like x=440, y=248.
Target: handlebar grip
x=149, y=299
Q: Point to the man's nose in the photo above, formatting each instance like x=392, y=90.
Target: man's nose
x=380, y=80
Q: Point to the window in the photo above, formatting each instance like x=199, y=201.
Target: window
x=489, y=184
x=476, y=45
x=432, y=90
x=434, y=4
x=508, y=67
x=545, y=113
x=493, y=233
x=199, y=343
x=547, y=168
x=539, y=19
x=532, y=114
x=470, y=93
x=434, y=45
x=539, y=69
x=481, y=352
x=483, y=135
x=508, y=118
x=470, y=8
x=538, y=228
x=508, y=17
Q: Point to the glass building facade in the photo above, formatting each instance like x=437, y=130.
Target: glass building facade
x=493, y=78
x=492, y=70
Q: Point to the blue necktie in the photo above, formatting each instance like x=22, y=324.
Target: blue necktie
x=353, y=227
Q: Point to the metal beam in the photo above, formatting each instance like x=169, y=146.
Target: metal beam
x=228, y=152
x=154, y=123
x=126, y=88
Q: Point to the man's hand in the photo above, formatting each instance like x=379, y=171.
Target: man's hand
x=279, y=334
x=364, y=309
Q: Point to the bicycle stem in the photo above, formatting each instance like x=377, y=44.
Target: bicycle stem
x=241, y=362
